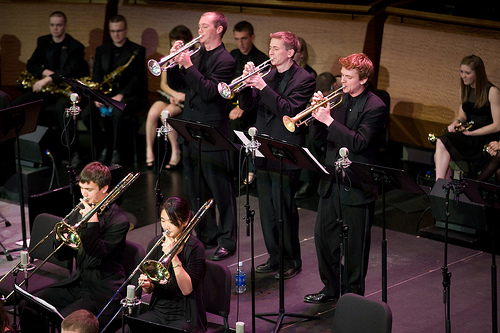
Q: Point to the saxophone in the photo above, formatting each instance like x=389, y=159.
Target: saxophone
x=106, y=86
x=27, y=80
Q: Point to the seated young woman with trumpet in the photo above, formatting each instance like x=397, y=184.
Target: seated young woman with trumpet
x=177, y=302
x=480, y=102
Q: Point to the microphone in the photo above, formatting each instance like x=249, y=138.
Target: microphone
x=165, y=127
x=74, y=110
x=130, y=294
x=24, y=260
x=252, y=131
x=343, y=162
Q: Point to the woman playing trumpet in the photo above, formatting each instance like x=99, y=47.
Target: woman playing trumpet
x=480, y=102
x=178, y=303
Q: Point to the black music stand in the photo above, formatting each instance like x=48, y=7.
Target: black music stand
x=489, y=195
x=384, y=178
x=16, y=121
x=282, y=151
x=45, y=309
x=96, y=96
x=201, y=134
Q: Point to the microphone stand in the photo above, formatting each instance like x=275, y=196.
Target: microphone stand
x=340, y=164
x=457, y=185
x=73, y=111
x=164, y=129
x=251, y=147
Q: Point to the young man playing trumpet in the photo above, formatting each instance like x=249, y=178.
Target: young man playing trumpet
x=286, y=90
x=356, y=124
x=99, y=271
x=200, y=76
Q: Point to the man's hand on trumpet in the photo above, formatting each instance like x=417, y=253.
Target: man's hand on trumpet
x=183, y=58
x=256, y=80
x=322, y=113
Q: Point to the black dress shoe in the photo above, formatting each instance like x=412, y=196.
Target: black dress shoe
x=222, y=253
x=289, y=273
x=103, y=156
x=319, y=298
x=115, y=159
x=266, y=268
x=305, y=191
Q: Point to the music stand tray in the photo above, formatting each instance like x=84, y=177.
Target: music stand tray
x=47, y=310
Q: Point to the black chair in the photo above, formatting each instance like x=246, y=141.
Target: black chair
x=359, y=314
x=217, y=294
x=51, y=272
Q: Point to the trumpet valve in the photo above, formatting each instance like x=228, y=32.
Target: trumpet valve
x=432, y=138
x=224, y=90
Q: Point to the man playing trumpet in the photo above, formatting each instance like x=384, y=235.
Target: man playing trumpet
x=199, y=77
x=357, y=124
x=286, y=90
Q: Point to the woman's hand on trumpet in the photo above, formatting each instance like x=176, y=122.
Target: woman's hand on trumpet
x=493, y=148
x=256, y=80
x=322, y=113
x=146, y=284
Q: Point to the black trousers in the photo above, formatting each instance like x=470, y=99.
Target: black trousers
x=217, y=183
x=268, y=187
x=327, y=237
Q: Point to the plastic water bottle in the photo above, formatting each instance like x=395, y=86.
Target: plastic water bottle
x=241, y=284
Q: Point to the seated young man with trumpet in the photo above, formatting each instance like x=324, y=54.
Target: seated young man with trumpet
x=99, y=252
x=285, y=91
x=178, y=302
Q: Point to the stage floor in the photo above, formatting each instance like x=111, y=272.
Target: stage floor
x=414, y=274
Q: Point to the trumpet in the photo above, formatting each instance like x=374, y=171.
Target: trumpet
x=68, y=234
x=459, y=128
x=291, y=123
x=227, y=90
x=487, y=151
x=156, y=67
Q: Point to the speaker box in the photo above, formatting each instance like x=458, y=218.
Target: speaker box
x=32, y=146
x=463, y=212
x=59, y=202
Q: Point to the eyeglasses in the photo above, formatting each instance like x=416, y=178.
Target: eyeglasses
x=116, y=31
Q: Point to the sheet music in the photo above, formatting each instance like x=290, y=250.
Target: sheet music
x=38, y=300
x=246, y=141
x=315, y=160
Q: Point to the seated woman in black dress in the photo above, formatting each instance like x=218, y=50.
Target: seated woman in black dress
x=178, y=303
x=480, y=102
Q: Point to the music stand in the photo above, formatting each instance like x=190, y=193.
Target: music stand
x=96, y=96
x=384, y=177
x=45, y=309
x=201, y=134
x=16, y=121
x=284, y=152
x=487, y=194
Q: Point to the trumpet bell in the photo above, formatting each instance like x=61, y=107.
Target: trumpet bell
x=224, y=90
x=68, y=235
x=156, y=271
x=154, y=67
x=289, y=123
